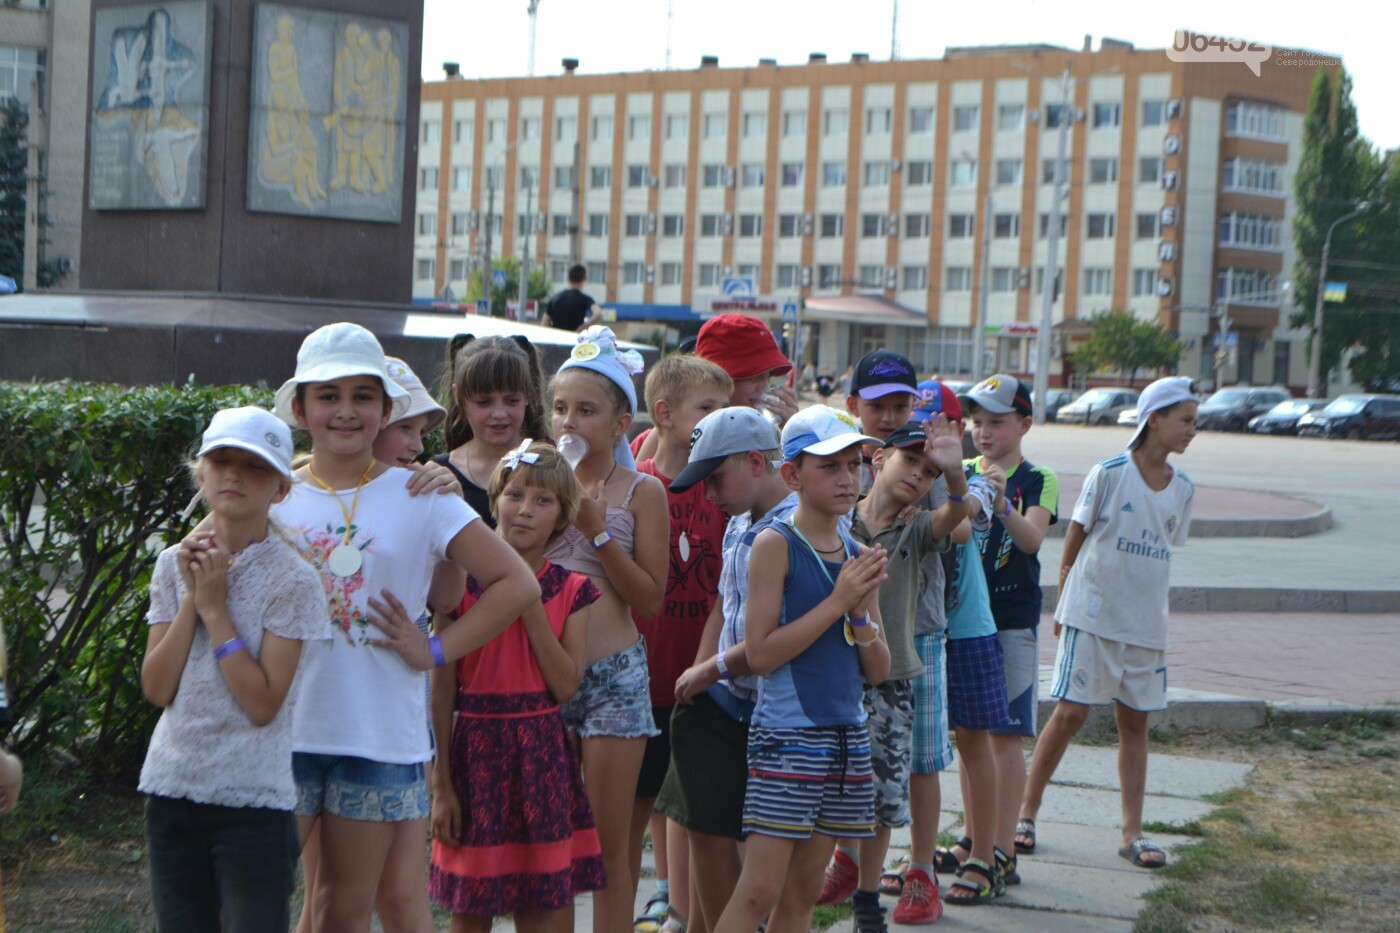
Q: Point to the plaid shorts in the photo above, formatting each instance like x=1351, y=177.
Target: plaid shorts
x=809, y=780
x=976, y=683
x=889, y=709
x=933, y=752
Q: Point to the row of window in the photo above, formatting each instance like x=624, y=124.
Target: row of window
x=835, y=121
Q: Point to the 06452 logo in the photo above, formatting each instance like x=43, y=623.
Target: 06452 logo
x=1188, y=46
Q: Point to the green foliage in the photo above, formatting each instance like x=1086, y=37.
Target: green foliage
x=1127, y=344
x=539, y=285
x=1339, y=169
x=14, y=120
x=92, y=483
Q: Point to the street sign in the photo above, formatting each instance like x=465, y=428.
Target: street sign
x=483, y=306
x=1226, y=341
x=789, y=312
x=498, y=278
x=738, y=286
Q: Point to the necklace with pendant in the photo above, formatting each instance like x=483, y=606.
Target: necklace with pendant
x=345, y=559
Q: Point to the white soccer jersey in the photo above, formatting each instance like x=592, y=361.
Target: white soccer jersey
x=1117, y=587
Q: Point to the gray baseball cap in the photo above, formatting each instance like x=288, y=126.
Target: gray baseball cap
x=721, y=434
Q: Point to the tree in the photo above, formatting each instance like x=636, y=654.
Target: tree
x=1337, y=171
x=1126, y=343
x=14, y=120
x=539, y=285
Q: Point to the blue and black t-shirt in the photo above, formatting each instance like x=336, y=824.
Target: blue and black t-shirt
x=1013, y=576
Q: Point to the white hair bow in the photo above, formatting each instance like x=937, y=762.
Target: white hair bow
x=520, y=455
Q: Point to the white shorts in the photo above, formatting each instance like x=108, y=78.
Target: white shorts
x=1095, y=671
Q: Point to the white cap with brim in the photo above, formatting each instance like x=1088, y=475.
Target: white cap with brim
x=335, y=352
x=253, y=429
x=1164, y=393
x=720, y=435
x=419, y=401
x=822, y=431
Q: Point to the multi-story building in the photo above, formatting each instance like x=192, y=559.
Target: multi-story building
x=863, y=177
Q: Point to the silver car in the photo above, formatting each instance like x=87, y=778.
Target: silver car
x=1098, y=406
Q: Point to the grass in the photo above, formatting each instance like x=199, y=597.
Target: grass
x=825, y=916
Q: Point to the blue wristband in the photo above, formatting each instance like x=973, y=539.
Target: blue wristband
x=435, y=646
x=858, y=621
x=232, y=646
x=953, y=498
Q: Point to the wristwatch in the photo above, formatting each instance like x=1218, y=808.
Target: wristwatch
x=602, y=539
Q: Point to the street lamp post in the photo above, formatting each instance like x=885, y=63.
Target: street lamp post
x=1315, y=362
x=1041, y=378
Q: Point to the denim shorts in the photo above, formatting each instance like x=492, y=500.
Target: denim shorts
x=614, y=698
x=359, y=789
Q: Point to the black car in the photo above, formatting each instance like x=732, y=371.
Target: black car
x=1230, y=409
x=1055, y=399
x=1373, y=417
x=1283, y=417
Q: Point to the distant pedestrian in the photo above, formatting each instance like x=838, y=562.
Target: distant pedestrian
x=825, y=384
x=1112, y=616
x=573, y=308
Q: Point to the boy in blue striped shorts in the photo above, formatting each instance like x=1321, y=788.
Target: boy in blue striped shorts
x=813, y=636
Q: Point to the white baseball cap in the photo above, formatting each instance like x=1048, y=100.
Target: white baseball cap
x=822, y=431
x=334, y=352
x=253, y=429
x=1164, y=393
x=419, y=401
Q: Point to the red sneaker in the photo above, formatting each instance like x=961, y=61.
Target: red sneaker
x=842, y=876
x=919, y=903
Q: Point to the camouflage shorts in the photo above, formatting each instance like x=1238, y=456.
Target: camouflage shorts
x=890, y=708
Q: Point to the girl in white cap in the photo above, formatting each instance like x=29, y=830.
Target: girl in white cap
x=227, y=623
x=620, y=539
x=360, y=734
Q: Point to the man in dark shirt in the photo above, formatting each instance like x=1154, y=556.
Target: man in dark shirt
x=572, y=308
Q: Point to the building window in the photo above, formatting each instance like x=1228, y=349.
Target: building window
x=716, y=125
x=427, y=179
x=870, y=276
x=1149, y=170
x=750, y=225
x=637, y=176
x=426, y=270
x=1098, y=282
x=965, y=117
x=877, y=174
x=1003, y=279
x=1247, y=286
x=917, y=226
x=458, y=270
x=639, y=127
x=1251, y=231
x=670, y=273
x=529, y=128
x=711, y=225
x=558, y=269
x=795, y=123
x=1006, y=226
x=673, y=225
x=1044, y=228
x=677, y=125
x=1259, y=121
x=834, y=122
x=674, y=175
x=1011, y=118
x=560, y=224
x=496, y=131
x=1107, y=115
x=792, y=174
x=597, y=272
x=961, y=226
x=918, y=173
x=1144, y=283
x=1009, y=172
x=712, y=176
x=872, y=225
x=633, y=273
x=1103, y=171
x=833, y=174
x=1040, y=282
x=789, y=275
x=1056, y=114
x=833, y=225
x=710, y=273
x=829, y=275
x=636, y=224
x=432, y=129
x=602, y=130
x=529, y=176
x=751, y=175
x=1147, y=226
x=1256, y=175
x=459, y=224
x=1154, y=112
x=920, y=120
x=958, y=279
x=600, y=176
x=597, y=225
x=755, y=125
x=565, y=129
x=878, y=121
x=462, y=131
x=462, y=178
x=964, y=173
x=913, y=278
x=564, y=176
x=789, y=226
x=1047, y=171
x=427, y=224
x=1100, y=226
x=496, y=176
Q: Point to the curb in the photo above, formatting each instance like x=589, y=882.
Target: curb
x=1235, y=714
x=1263, y=599
x=1302, y=526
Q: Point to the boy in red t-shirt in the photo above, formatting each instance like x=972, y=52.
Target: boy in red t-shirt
x=680, y=390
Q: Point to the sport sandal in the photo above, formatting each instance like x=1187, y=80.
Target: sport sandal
x=970, y=893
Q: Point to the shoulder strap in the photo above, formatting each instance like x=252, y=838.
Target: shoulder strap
x=636, y=481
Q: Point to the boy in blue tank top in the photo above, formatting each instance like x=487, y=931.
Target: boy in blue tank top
x=813, y=637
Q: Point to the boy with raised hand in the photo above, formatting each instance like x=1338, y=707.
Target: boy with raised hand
x=812, y=635
x=1112, y=615
x=884, y=390
x=681, y=390
x=905, y=468
x=734, y=459
x=1000, y=410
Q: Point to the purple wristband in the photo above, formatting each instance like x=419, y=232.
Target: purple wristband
x=1007, y=510
x=229, y=647
x=953, y=498
x=858, y=621
x=435, y=646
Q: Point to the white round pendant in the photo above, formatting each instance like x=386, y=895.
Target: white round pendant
x=345, y=560
x=683, y=545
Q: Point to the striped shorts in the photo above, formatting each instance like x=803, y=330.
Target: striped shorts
x=803, y=780
x=932, y=750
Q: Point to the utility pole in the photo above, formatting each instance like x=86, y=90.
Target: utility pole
x=533, y=10
x=1315, y=359
x=488, y=221
x=30, y=274
x=576, y=224
x=894, y=33
x=1041, y=380
x=529, y=231
x=979, y=330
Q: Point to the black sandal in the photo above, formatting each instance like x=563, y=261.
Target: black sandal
x=1025, y=827
x=945, y=862
x=1006, y=867
x=980, y=895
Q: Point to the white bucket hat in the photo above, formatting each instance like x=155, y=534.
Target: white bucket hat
x=419, y=401
x=253, y=429
x=334, y=352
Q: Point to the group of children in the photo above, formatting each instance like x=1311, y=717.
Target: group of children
x=753, y=642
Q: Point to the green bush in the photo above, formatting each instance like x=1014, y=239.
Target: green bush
x=92, y=483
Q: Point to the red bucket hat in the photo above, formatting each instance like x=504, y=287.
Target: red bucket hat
x=742, y=346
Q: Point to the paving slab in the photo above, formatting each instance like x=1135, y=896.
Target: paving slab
x=1167, y=775
x=1093, y=806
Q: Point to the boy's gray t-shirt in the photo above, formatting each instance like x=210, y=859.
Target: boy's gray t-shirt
x=932, y=616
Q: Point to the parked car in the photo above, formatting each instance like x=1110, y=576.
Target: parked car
x=1374, y=417
x=1098, y=406
x=1128, y=417
x=1283, y=417
x=1055, y=399
x=1230, y=409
